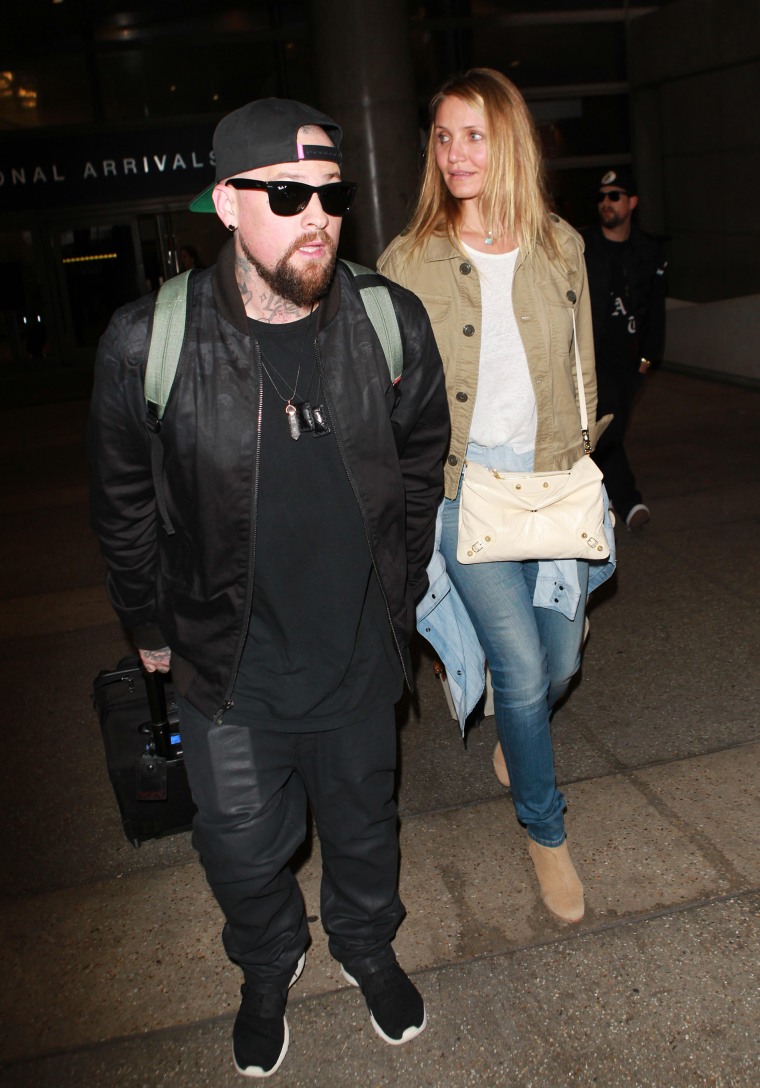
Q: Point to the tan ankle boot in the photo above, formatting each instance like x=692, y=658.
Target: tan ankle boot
x=561, y=889
x=500, y=765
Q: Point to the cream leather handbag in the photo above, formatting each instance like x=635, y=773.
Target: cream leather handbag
x=534, y=515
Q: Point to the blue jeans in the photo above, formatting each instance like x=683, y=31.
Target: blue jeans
x=532, y=653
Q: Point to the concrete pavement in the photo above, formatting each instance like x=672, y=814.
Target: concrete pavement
x=111, y=959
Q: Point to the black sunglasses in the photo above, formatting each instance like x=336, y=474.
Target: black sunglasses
x=291, y=197
x=613, y=197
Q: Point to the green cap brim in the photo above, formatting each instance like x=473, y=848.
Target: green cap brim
x=204, y=201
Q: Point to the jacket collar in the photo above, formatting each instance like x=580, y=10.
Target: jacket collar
x=439, y=248
x=226, y=290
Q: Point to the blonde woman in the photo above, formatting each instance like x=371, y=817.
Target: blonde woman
x=502, y=278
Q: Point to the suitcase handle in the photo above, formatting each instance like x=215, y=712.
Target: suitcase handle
x=154, y=685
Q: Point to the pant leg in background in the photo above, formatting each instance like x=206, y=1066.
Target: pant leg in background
x=617, y=391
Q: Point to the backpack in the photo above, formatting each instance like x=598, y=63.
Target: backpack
x=168, y=334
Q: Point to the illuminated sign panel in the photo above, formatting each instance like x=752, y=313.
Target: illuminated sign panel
x=104, y=167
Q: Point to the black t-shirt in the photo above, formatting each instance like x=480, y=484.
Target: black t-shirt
x=320, y=650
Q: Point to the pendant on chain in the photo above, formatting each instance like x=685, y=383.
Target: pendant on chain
x=295, y=428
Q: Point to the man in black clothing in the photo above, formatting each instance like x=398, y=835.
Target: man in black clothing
x=626, y=275
x=300, y=486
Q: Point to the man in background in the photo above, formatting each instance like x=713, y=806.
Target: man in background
x=626, y=274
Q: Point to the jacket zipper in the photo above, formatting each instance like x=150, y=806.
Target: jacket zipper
x=229, y=702
x=362, y=514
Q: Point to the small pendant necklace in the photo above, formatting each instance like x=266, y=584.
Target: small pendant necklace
x=302, y=417
x=290, y=409
x=489, y=237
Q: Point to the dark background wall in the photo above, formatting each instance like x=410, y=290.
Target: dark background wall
x=695, y=100
x=695, y=96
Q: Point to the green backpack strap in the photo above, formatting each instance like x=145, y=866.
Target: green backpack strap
x=377, y=302
x=166, y=343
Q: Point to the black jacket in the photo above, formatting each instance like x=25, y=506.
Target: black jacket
x=645, y=289
x=192, y=590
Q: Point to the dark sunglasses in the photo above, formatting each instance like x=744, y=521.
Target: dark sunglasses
x=613, y=197
x=291, y=197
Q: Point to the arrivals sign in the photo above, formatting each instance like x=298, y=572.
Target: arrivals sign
x=104, y=167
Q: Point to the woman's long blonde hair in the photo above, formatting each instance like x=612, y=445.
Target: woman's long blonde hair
x=513, y=200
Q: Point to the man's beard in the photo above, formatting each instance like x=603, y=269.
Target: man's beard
x=612, y=219
x=302, y=288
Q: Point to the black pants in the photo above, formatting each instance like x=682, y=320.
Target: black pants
x=617, y=388
x=251, y=787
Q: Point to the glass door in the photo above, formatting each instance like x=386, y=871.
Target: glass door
x=62, y=278
x=98, y=270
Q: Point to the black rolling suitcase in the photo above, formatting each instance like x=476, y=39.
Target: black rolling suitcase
x=138, y=718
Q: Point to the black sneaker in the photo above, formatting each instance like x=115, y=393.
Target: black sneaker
x=260, y=1036
x=396, y=1008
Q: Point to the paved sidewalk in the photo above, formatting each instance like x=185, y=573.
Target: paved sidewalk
x=113, y=969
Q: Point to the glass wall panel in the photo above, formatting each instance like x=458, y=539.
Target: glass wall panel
x=100, y=274
x=53, y=90
x=24, y=320
x=572, y=127
x=177, y=79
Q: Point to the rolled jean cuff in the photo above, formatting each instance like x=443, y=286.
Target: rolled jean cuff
x=546, y=842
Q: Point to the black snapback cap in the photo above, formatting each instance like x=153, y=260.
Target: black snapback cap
x=621, y=178
x=264, y=133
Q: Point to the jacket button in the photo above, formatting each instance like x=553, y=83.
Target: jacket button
x=469, y=330
x=452, y=459
x=465, y=268
x=462, y=396
x=571, y=296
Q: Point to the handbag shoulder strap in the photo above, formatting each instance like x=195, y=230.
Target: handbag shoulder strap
x=581, y=391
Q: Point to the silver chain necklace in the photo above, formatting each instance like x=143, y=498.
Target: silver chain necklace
x=290, y=409
x=301, y=417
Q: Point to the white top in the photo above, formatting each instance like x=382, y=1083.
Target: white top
x=505, y=405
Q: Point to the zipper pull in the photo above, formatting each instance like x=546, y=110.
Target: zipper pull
x=222, y=711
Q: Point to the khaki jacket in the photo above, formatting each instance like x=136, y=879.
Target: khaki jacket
x=544, y=296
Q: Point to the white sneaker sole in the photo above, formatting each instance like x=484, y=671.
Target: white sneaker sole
x=410, y=1033
x=256, y=1070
